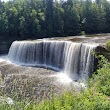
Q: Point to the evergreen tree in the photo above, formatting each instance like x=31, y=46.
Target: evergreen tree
x=25, y=19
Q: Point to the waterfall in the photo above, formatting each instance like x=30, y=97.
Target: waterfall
x=87, y=59
x=73, y=59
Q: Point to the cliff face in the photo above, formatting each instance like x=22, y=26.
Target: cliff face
x=4, y=47
x=101, y=50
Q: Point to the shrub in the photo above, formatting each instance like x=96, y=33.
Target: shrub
x=108, y=45
x=101, y=81
x=86, y=100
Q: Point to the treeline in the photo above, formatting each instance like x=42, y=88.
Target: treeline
x=24, y=19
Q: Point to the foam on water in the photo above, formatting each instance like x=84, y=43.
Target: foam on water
x=64, y=78
x=4, y=58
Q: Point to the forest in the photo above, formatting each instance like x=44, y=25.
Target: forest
x=32, y=19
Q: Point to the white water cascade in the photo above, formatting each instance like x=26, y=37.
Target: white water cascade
x=73, y=59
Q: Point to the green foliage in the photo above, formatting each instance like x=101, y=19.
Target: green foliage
x=82, y=33
x=78, y=101
x=101, y=80
x=108, y=45
x=85, y=100
x=23, y=19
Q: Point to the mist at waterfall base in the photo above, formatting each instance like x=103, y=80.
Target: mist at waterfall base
x=72, y=61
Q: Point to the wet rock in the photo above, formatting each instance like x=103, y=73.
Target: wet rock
x=101, y=50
